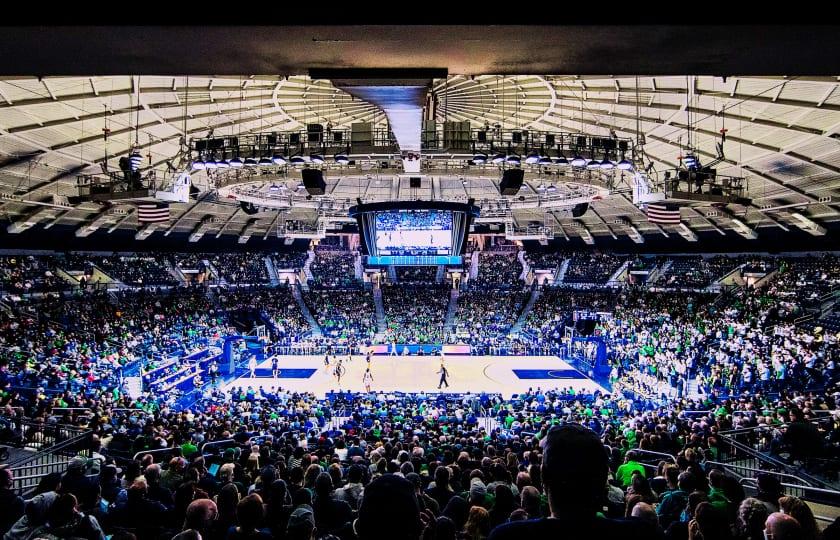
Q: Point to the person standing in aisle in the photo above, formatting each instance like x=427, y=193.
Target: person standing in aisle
x=252, y=366
x=275, y=368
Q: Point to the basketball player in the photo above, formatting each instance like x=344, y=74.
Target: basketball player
x=275, y=369
x=368, y=358
x=327, y=362
x=337, y=372
x=252, y=365
x=367, y=378
x=443, y=374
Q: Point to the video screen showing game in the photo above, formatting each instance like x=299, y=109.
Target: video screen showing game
x=414, y=232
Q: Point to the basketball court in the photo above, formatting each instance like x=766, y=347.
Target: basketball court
x=497, y=374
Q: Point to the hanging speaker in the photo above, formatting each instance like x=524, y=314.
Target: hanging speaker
x=313, y=181
x=579, y=209
x=248, y=208
x=414, y=182
x=511, y=181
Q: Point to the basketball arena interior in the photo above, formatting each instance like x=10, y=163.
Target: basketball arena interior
x=419, y=282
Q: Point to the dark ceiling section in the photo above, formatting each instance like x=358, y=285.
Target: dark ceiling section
x=289, y=50
x=63, y=238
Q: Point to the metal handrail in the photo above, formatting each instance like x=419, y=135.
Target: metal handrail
x=760, y=471
x=207, y=444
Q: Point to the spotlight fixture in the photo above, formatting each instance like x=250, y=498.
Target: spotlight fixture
x=236, y=162
x=578, y=161
x=480, y=158
x=136, y=160
x=545, y=160
x=222, y=164
x=551, y=189
x=274, y=187
x=592, y=164
x=464, y=181
x=607, y=164
x=250, y=162
x=278, y=159
x=297, y=160
x=210, y=164
x=266, y=162
x=532, y=159
x=316, y=158
x=513, y=159
x=301, y=186
x=198, y=165
x=341, y=159
x=498, y=159
x=625, y=165
x=561, y=160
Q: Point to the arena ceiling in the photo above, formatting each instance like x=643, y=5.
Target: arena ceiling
x=783, y=132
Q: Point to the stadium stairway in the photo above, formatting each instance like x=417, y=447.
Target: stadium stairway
x=474, y=265
x=615, y=279
x=215, y=272
x=175, y=272
x=380, y=311
x=659, y=271
x=441, y=273
x=272, y=271
x=392, y=273
x=535, y=295
x=561, y=274
x=358, y=267
x=304, y=309
x=525, y=266
x=133, y=387
x=451, y=310
x=307, y=270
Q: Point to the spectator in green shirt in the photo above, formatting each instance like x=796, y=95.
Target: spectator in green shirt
x=624, y=474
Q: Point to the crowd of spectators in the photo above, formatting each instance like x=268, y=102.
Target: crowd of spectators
x=277, y=304
x=592, y=267
x=415, y=313
x=241, y=268
x=334, y=269
x=412, y=467
x=343, y=314
x=21, y=274
x=286, y=260
x=416, y=274
x=484, y=319
x=497, y=269
x=136, y=270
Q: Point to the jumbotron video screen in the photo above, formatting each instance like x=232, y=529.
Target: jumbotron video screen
x=414, y=232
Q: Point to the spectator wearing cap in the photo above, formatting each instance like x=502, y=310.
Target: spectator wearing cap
x=389, y=511
x=34, y=516
x=10, y=502
x=76, y=481
x=574, y=472
x=301, y=524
